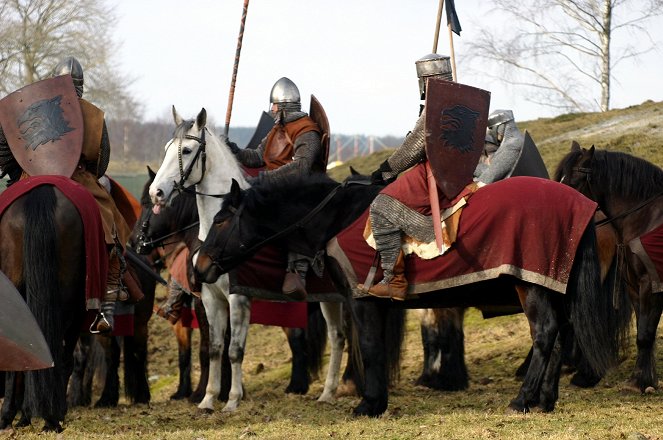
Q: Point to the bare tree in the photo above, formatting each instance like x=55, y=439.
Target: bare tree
x=36, y=34
x=561, y=51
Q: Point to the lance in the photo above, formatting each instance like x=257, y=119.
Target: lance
x=233, y=80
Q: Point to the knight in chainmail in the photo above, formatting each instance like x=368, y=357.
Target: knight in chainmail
x=508, y=140
x=390, y=217
x=292, y=147
x=95, y=156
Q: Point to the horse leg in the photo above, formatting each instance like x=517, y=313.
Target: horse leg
x=299, y=377
x=14, y=389
x=240, y=314
x=444, y=350
x=650, y=306
x=183, y=336
x=216, y=308
x=111, y=392
x=550, y=385
x=333, y=313
x=542, y=314
x=203, y=353
x=370, y=329
x=80, y=386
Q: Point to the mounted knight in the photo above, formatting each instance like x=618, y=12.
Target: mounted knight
x=442, y=150
x=48, y=128
x=297, y=145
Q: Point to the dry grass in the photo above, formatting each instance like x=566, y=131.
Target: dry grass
x=494, y=348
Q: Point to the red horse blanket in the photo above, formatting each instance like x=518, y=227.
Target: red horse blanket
x=649, y=248
x=96, y=258
x=262, y=276
x=523, y=226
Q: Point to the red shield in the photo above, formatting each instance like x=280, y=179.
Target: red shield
x=43, y=124
x=456, y=116
x=22, y=344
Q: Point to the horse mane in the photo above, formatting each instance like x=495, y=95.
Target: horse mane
x=627, y=175
x=288, y=192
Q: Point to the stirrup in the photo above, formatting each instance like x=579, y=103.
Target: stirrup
x=100, y=318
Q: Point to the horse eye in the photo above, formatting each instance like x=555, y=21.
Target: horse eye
x=186, y=150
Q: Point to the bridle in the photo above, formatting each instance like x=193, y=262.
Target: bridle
x=145, y=242
x=201, y=154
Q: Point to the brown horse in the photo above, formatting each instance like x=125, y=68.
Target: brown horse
x=42, y=251
x=629, y=191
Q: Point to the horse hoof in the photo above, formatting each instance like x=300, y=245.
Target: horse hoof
x=347, y=388
x=650, y=390
x=326, y=398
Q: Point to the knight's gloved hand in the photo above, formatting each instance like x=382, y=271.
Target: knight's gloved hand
x=233, y=146
x=377, y=176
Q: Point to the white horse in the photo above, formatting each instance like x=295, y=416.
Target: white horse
x=196, y=156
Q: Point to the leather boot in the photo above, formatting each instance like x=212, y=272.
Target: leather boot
x=294, y=285
x=171, y=309
x=103, y=322
x=394, y=287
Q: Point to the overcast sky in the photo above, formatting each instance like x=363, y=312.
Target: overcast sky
x=356, y=56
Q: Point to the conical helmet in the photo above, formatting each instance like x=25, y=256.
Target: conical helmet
x=284, y=90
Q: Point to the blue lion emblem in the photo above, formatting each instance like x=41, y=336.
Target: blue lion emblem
x=457, y=124
x=43, y=122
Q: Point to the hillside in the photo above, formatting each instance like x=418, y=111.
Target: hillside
x=637, y=130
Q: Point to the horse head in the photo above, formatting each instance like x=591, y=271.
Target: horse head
x=185, y=158
x=575, y=168
x=231, y=239
x=157, y=226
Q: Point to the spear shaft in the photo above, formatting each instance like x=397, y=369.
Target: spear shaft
x=233, y=80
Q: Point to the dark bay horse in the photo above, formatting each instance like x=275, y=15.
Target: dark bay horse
x=179, y=222
x=629, y=191
x=95, y=353
x=320, y=208
x=42, y=251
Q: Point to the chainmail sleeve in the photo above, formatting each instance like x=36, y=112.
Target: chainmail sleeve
x=307, y=150
x=252, y=158
x=104, y=152
x=411, y=152
x=506, y=156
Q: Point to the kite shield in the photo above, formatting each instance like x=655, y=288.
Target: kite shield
x=22, y=344
x=456, y=117
x=43, y=124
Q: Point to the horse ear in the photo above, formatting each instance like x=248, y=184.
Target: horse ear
x=353, y=172
x=235, y=193
x=201, y=119
x=176, y=117
x=591, y=151
x=575, y=146
x=151, y=173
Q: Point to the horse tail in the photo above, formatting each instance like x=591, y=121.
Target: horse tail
x=44, y=389
x=597, y=321
x=316, y=338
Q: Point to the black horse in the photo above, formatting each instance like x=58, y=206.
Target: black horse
x=42, y=251
x=629, y=191
x=323, y=208
x=179, y=222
